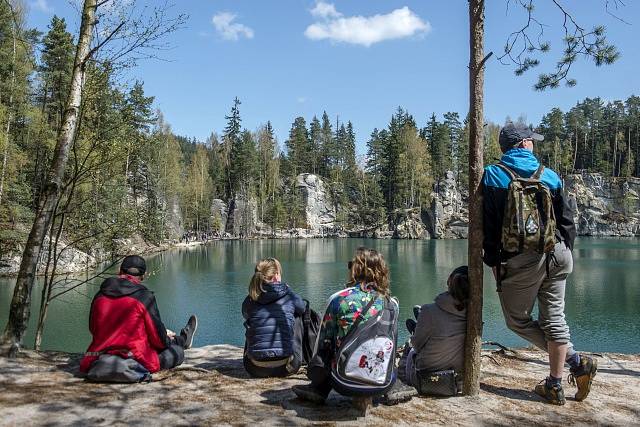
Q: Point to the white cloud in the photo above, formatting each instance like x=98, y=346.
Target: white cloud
x=229, y=30
x=325, y=10
x=42, y=6
x=365, y=30
x=301, y=100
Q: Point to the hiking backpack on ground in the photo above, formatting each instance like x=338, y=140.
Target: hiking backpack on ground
x=365, y=363
x=529, y=223
x=111, y=368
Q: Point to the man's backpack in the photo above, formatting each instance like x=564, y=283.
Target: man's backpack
x=365, y=363
x=529, y=223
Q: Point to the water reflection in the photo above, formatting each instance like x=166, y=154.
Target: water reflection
x=603, y=293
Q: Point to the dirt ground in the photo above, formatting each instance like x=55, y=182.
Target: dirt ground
x=211, y=388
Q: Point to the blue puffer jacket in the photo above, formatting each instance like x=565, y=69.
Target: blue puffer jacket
x=270, y=320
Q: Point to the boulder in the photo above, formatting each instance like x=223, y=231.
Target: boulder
x=320, y=212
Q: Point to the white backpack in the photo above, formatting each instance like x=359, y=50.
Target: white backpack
x=365, y=363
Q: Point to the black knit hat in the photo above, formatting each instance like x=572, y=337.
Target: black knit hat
x=511, y=134
x=133, y=265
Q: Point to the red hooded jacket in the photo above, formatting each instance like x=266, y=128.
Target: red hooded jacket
x=125, y=320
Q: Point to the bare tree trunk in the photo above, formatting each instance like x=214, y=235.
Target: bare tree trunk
x=473, y=343
x=21, y=303
x=5, y=151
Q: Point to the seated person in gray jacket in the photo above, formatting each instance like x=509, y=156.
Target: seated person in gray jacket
x=437, y=339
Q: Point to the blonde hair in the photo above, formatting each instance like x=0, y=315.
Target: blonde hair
x=369, y=268
x=265, y=271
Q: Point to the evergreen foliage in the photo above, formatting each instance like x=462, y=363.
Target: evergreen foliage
x=130, y=174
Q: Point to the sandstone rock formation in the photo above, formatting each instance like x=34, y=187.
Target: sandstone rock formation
x=605, y=206
x=407, y=224
x=70, y=260
x=212, y=388
x=320, y=212
x=242, y=216
x=449, y=214
x=219, y=215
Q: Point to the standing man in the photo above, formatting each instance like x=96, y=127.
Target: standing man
x=528, y=237
x=125, y=321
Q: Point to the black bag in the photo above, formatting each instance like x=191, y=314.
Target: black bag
x=110, y=368
x=365, y=363
x=311, y=321
x=438, y=383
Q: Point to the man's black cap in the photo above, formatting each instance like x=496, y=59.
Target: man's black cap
x=511, y=134
x=133, y=265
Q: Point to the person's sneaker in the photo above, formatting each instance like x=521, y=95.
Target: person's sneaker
x=189, y=331
x=551, y=393
x=411, y=325
x=416, y=311
x=309, y=393
x=399, y=393
x=583, y=375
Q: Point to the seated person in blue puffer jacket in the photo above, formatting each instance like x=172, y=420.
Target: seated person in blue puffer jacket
x=273, y=321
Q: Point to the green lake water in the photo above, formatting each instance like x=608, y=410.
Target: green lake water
x=602, y=298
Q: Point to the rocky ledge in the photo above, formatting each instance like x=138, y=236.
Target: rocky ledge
x=211, y=388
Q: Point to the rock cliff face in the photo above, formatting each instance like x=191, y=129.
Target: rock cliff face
x=407, y=224
x=70, y=260
x=449, y=214
x=605, y=206
x=242, y=216
x=219, y=215
x=320, y=211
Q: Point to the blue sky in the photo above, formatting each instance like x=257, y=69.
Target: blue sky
x=288, y=58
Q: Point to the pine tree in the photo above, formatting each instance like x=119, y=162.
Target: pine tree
x=230, y=138
x=57, y=64
x=298, y=148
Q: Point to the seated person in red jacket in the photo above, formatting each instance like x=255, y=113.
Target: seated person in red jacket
x=125, y=321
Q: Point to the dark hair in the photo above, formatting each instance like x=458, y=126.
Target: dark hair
x=459, y=286
x=133, y=265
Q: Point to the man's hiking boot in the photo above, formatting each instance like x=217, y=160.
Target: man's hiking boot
x=189, y=331
x=309, y=393
x=583, y=375
x=552, y=393
x=400, y=392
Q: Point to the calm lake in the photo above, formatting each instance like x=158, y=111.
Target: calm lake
x=603, y=293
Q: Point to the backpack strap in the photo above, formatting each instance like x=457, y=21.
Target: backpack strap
x=538, y=173
x=512, y=174
x=362, y=313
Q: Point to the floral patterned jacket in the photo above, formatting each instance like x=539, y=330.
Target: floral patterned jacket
x=344, y=308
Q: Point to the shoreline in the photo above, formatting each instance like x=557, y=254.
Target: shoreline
x=152, y=250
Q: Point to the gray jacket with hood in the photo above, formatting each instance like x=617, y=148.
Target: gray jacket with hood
x=439, y=336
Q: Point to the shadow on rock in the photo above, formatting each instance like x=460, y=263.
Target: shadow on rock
x=510, y=393
x=337, y=407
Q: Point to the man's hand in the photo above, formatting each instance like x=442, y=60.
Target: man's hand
x=170, y=333
x=494, y=269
